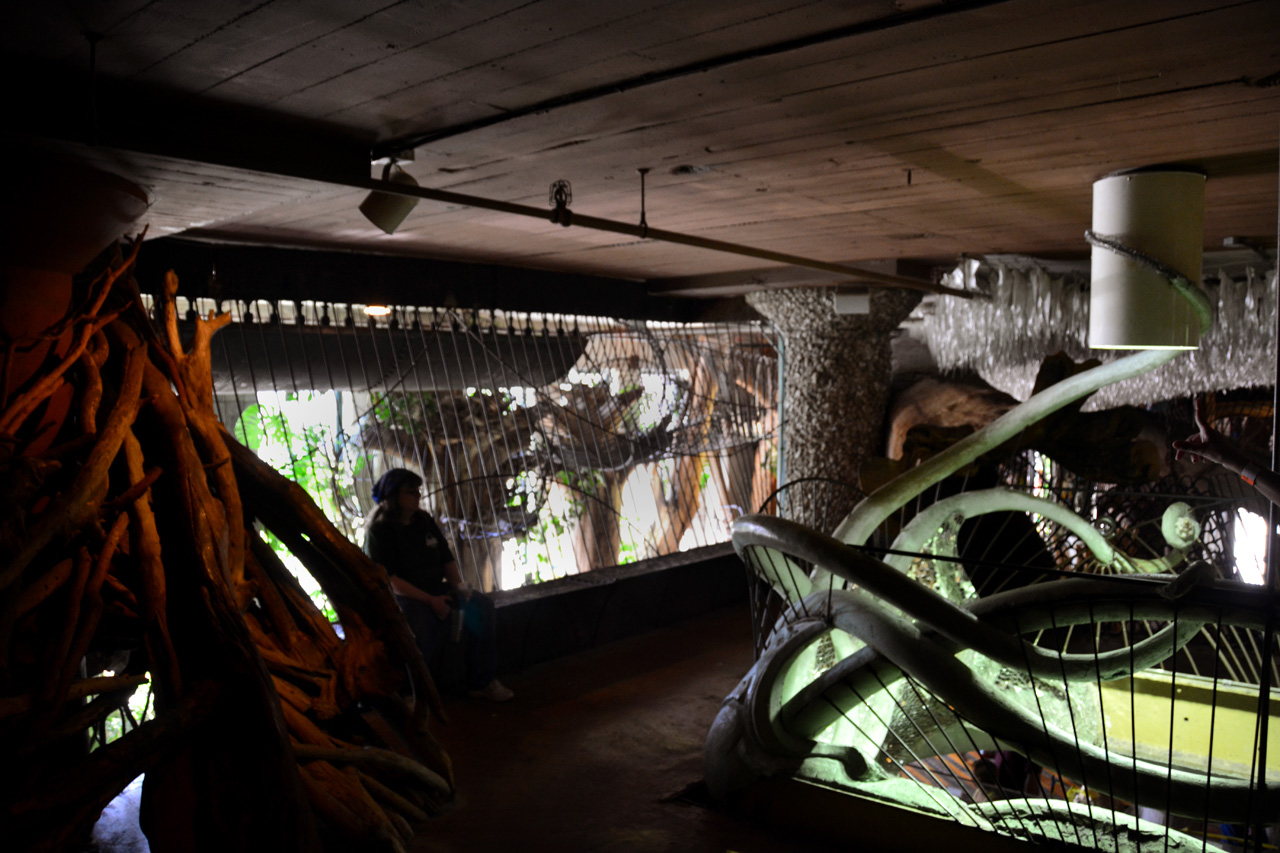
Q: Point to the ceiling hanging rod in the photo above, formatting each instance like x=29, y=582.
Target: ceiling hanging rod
x=566, y=217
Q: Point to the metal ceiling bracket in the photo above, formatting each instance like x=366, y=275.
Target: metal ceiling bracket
x=644, y=223
x=561, y=196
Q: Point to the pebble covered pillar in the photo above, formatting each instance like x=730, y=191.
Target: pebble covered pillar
x=836, y=373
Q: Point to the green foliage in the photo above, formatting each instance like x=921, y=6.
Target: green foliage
x=140, y=709
x=308, y=450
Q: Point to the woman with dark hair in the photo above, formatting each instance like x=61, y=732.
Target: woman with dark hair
x=427, y=584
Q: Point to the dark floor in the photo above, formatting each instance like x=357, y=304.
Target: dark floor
x=587, y=755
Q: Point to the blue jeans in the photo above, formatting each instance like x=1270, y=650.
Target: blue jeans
x=479, y=636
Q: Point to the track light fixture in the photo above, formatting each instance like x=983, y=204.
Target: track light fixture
x=385, y=210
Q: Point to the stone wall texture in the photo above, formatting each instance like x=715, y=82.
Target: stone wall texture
x=836, y=369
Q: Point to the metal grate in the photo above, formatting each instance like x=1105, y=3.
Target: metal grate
x=1141, y=713
x=549, y=444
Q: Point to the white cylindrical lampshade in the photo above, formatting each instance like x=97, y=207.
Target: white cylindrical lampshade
x=1161, y=214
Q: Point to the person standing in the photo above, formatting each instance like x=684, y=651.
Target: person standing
x=428, y=586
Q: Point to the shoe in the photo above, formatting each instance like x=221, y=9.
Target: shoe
x=496, y=691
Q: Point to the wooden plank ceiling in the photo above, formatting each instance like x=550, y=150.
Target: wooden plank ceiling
x=845, y=131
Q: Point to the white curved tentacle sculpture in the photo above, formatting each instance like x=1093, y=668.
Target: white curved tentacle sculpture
x=849, y=717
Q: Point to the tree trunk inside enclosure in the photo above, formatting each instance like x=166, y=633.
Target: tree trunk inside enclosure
x=597, y=532
x=675, y=513
x=481, y=563
x=836, y=371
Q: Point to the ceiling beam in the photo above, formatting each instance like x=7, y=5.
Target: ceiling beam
x=740, y=282
x=70, y=105
x=914, y=13
x=228, y=272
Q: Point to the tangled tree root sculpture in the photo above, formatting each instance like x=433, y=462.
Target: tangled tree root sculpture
x=130, y=536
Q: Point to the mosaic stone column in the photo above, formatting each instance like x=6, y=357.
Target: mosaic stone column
x=836, y=371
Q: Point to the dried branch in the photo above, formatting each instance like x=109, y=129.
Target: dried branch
x=341, y=568
x=73, y=507
x=371, y=758
x=13, y=705
x=43, y=587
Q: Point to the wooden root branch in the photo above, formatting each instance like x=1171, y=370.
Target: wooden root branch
x=136, y=549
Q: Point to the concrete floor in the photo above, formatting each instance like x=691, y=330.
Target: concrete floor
x=588, y=754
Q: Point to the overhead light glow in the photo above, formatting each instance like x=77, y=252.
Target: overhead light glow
x=377, y=310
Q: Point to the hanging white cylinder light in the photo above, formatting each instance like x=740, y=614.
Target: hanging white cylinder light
x=1160, y=214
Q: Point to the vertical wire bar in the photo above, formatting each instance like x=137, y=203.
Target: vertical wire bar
x=534, y=427
x=344, y=502
x=223, y=334
x=590, y=430
x=626, y=487
x=651, y=467
x=1115, y=827
x=401, y=377
x=312, y=450
x=484, y=487
x=911, y=682
x=1272, y=579
x=515, y=457
x=439, y=470
x=905, y=748
x=766, y=414
x=536, y=345
x=451, y=479
x=253, y=380
x=494, y=480
x=1023, y=821
x=1031, y=678
x=679, y=459
x=275, y=388
x=946, y=806
x=376, y=389
x=340, y=332
x=414, y=370
x=1213, y=713
x=1173, y=702
x=706, y=356
x=539, y=341
x=376, y=396
x=719, y=448
x=1075, y=732
x=1258, y=765
x=371, y=326
x=520, y=410
x=1133, y=721
x=475, y=461
x=459, y=488
x=589, y=427
x=331, y=449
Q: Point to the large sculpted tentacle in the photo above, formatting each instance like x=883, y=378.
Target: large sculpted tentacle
x=972, y=504
x=880, y=612
x=955, y=623
x=859, y=524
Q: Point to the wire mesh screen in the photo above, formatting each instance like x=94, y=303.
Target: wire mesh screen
x=549, y=445
x=1093, y=701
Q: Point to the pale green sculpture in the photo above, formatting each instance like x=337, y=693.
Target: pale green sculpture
x=867, y=667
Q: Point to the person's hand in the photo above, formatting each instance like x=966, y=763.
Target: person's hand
x=1208, y=444
x=441, y=605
